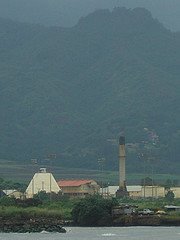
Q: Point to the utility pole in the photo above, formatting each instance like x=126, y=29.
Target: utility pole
x=142, y=157
x=101, y=162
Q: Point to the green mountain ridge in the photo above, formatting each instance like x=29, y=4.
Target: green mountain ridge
x=67, y=13
x=70, y=91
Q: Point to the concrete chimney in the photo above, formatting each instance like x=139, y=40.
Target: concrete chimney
x=122, y=191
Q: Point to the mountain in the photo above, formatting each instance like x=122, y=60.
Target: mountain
x=71, y=91
x=67, y=13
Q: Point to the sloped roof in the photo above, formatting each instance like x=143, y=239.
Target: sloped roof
x=42, y=181
x=9, y=191
x=72, y=183
x=134, y=188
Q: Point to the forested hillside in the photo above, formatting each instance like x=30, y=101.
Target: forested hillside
x=72, y=91
x=66, y=13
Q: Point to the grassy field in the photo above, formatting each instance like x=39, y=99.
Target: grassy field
x=23, y=173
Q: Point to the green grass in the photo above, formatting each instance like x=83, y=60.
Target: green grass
x=23, y=173
x=34, y=212
x=62, y=209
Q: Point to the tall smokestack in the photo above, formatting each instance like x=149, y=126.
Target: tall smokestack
x=122, y=166
x=122, y=191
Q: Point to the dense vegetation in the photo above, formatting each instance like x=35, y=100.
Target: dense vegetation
x=93, y=211
x=90, y=211
x=71, y=91
x=33, y=208
x=8, y=184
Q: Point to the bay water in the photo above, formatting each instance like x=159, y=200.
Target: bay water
x=101, y=233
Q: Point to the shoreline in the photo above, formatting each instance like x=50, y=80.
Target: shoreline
x=128, y=221
x=37, y=225
x=146, y=220
x=24, y=225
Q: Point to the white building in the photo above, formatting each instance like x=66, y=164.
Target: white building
x=176, y=191
x=136, y=191
x=42, y=181
x=13, y=193
x=153, y=191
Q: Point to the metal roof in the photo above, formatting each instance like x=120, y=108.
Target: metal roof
x=9, y=191
x=72, y=183
x=172, y=207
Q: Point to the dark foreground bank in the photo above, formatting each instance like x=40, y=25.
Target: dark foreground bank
x=148, y=220
x=55, y=225
x=31, y=225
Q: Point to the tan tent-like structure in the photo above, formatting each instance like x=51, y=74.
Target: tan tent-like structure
x=42, y=181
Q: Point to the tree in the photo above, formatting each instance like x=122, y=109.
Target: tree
x=46, y=197
x=93, y=211
x=169, y=196
x=147, y=181
x=7, y=201
x=168, y=184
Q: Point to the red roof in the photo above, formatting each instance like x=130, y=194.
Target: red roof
x=72, y=183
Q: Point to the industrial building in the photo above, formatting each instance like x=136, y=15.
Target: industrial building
x=136, y=191
x=78, y=188
x=132, y=191
x=42, y=181
x=153, y=191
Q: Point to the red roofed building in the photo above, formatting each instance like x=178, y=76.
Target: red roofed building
x=79, y=188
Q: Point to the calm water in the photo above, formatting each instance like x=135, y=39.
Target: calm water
x=119, y=233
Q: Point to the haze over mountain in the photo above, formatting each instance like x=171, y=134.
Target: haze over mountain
x=67, y=12
x=70, y=91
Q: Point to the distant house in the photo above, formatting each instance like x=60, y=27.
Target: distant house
x=79, y=188
x=176, y=191
x=13, y=193
x=42, y=181
x=109, y=191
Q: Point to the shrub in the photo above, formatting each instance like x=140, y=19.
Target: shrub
x=93, y=211
x=7, y=201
